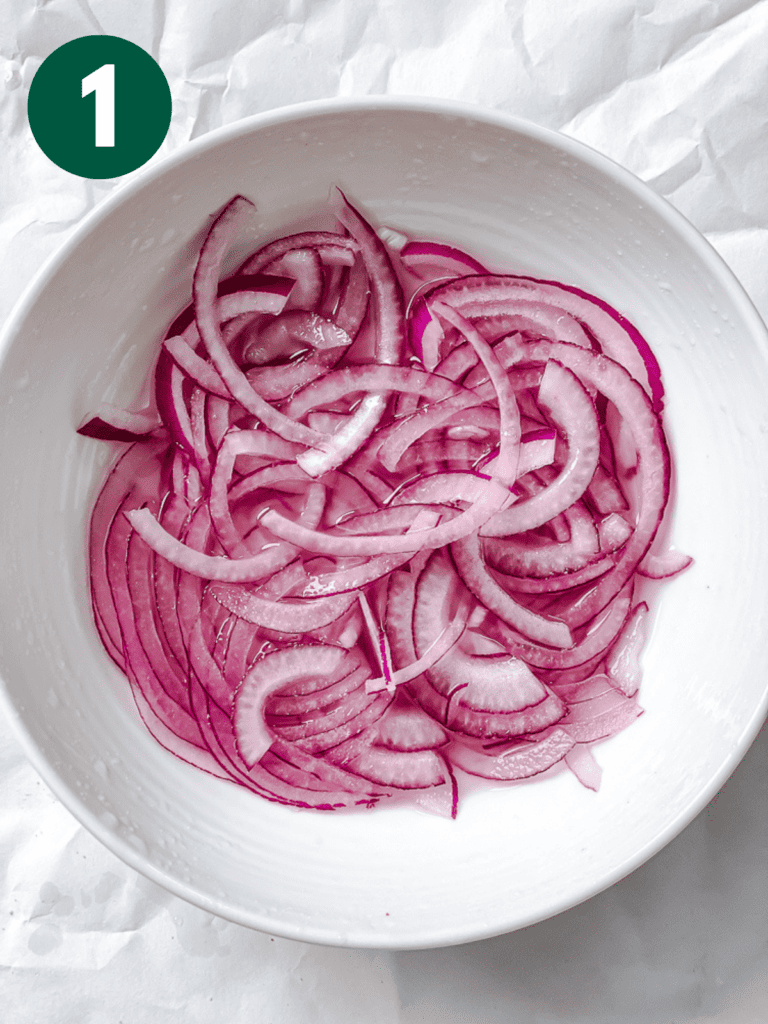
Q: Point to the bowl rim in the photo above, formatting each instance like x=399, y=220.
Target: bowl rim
x=123, y=194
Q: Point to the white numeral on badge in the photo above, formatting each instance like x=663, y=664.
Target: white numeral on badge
x=102, y=82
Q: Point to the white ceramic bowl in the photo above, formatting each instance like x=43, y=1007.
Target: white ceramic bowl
x=525, y=198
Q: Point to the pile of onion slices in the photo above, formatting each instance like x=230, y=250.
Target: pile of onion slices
x=386, y=522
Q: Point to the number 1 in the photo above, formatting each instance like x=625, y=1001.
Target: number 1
x=102, y=82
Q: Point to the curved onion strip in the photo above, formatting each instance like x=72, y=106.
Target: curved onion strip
x=110, y=423
x=272, y=673
x=208, y=567
x=492, y=497
x=331, y=247
x=204, y=287
x=506, y=463
x=469, y=562
x=653, y=469
x=514, y=557
x=284, y=616
x=485, y=295
x=520, y=762
x=340, y=383
x=438, y=260
x=660, y=567
x=430, y=657
x=571, y=408
x=390, y=340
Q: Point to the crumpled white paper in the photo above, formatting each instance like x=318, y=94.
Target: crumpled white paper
x=675, y=90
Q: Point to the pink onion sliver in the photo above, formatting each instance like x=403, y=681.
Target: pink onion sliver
x=493, y=497
x=201, y=372
x=208, y=567
x=353, y=302
x=272, y=673
x=613, y=531
x=406, y=727
x=346, y=440
x=562, y=394
x=590, y=721
x=475, y=576
x=300, y=327
x=520, y=762
x=276, y=382
x=111, y=423
x=560, y=581
x=422, y=258
x=218, y=420
x=582, y=763
x=443, y=487
x=623, y=663
x=402, y=435
x=518, y=556
x=605, y=494
x=197, y=419
x=283, y=581
x=425, y=333
x=661, y=567
x=284, y=616
x=390, y=341
x=339, y=383
x=359, y=576
x=595, y=643
x=332, y=247
x=535, y=319
x=431, y=656
x=169, y=395
x=204, y=288
x=387, y=293
x=536, y=451
x=505, y=464
x=305, y=266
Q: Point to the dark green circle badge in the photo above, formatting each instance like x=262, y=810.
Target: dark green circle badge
x=99, y=106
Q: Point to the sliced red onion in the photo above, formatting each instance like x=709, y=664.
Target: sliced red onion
x=110, y=423
x=429, y=658
x=565, y=398
x=467, y=557
x=491, y=498
x=214, y=248
x=332, y=248
x=390, y=338
x=429, y=260
x=439, y=571
x=270, y=674
x=406, y=727
x=582, y=763
x=664, y=566
x=623, y=663
x=520, y=762
x=507, y=461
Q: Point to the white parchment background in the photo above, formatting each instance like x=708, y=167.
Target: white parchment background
x=677, y=91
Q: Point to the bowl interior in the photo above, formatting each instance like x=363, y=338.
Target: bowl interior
x=523, y=200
